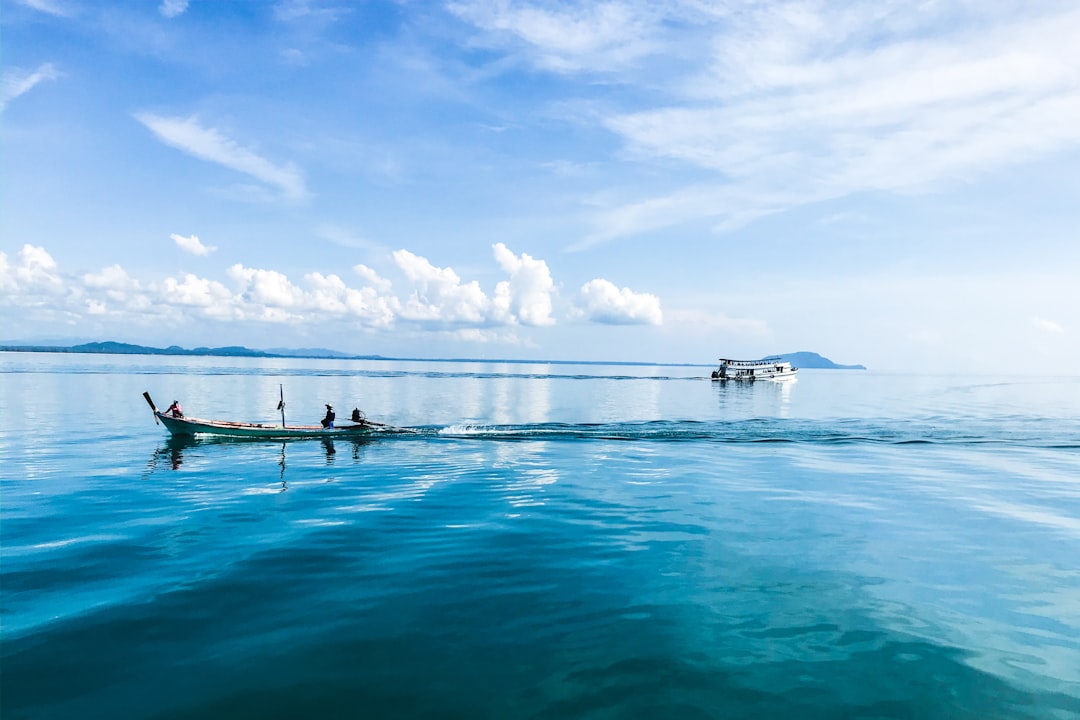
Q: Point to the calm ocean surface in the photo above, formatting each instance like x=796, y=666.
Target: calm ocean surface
x=556, y=541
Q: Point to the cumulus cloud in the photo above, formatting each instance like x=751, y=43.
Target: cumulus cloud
x=16, y=82
x=1048, y=326
x=368, y=304
x=114, y=291
x=601, y=301
x=173, y=8
x=210, y=297
x=114, y=280
x=439, y=295
x=32, y=272
x=270, y=296
x=266, y=287
x=428, y=298
x=526, y=296
x=187, y=135
x=372, y=278
x=192, y=244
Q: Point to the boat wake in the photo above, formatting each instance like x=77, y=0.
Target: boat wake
x=1031, y=433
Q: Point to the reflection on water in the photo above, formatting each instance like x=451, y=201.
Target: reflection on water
x=172, y=454
x=282, y=464
x=765, y=398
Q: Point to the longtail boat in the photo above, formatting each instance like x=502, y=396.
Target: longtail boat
x=184, y=425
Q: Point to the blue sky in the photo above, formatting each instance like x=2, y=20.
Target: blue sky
x=889, y=183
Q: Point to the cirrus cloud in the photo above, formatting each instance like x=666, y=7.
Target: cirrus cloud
x=566, y=38
x=173, y=8
x=188, y=135
x=770, y=106
x=16, y=82
x=1048, y=326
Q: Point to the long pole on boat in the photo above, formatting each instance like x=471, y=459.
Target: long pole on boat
x=153, y=407
x=281, y=405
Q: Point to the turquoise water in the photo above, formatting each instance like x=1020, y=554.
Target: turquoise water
x=553, y=541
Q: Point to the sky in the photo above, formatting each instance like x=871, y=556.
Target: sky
x=895, y=184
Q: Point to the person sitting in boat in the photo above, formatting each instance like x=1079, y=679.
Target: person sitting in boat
x=328, y=421
x=357, y=416
x=175, y=410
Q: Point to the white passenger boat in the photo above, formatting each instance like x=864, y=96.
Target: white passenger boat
x=770, y=368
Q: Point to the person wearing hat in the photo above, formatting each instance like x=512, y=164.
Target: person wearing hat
x=328, y=421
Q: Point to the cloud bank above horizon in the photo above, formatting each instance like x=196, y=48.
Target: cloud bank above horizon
x=432, y=298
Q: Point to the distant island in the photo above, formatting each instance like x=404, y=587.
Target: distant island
x=812, y=360
x=798, y=359
x=118, y=348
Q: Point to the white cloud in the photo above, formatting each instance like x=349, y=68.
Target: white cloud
x=294, y=57
x=266, y=287
x=733, y=206
x=526, y=296
x=344, y=237
x=113, y=277
x=440, y=296
x=50, y=7
x=775, y=105
x=173, y=8
x=486, y=336
x=192, y=244
x=1047, y=326
x=188, y=135
x=197, y=292
x=432, y=300
x=330, y=294
x=601, y=301
x=113, y=291
x=702, y=322
x=566, y=38
x=308, y=10
x=32, y=273
x=17, y=82
x=372, y=278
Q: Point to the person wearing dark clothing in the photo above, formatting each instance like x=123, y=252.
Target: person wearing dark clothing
x=357, y=416
x=328, y=421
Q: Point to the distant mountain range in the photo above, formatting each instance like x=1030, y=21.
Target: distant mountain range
x=117, y=348
x=798, y=359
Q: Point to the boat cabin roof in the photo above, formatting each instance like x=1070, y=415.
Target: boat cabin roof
x=754, y=363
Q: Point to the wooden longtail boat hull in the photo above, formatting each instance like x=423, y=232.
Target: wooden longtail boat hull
x=189, y=426
x=196, y=426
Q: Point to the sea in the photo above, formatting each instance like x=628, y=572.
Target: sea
x=539, y=540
